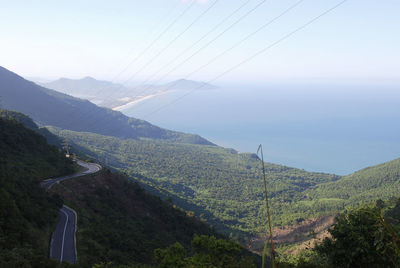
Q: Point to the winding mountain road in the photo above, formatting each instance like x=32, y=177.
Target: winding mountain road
x=90, y=168
x=63, y=241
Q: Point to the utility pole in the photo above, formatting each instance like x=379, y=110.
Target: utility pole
x=268, y=212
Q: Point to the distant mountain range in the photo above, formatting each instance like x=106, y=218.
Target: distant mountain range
x=217, y=184
x=49, y=107
x=111, y=95
x=87, y=88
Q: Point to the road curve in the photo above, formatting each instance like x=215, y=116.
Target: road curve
x=63, y=241
x=90, y=168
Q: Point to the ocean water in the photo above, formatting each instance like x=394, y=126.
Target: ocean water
x=333, y=128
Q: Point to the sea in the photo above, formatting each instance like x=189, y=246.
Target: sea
x=330, y=127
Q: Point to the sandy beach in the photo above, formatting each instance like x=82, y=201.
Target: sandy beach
x=138, y=100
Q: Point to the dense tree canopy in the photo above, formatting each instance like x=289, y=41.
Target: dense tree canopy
x=208, y=251
x=220, y=185
x=27, y=212
x=365, y=237
x=120, y=222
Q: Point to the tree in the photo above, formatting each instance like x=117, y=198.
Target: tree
x=362, y=238
x=171, y=257
x=208, y=251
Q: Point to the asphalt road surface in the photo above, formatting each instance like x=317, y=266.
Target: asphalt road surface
x=63, y=241
x=91, y=168
x=62, y=246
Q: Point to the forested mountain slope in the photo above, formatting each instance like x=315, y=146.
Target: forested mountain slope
x=120, y=223
x=28, y=123
x=225, y=187
x=381, y=181
x=27, y=212
x=49, y=107
x=219, y=185
x=118, y=220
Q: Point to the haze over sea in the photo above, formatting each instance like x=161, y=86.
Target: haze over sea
x=317, y=126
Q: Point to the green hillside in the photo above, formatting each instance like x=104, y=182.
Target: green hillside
x=219, y=185
x=120, y=223
x=49, y=107
x=26, y=152
x=28, y=123
x=118, y=220
x=19, y=117
x=381, y=181
x=225, y=187
x=27, y=213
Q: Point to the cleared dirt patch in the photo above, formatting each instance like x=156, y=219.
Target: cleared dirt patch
x=304, y=233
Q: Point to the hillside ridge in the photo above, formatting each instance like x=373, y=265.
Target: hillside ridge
x=49, y=107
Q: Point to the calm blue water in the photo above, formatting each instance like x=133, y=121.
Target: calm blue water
x=329, y=128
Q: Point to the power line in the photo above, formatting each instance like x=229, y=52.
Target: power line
x=157, y=25
x=212, y=41
x=230, y=27
x=247, y=37
x=144, y=51
x=169, y=26
x=253, y=56
x=172, y=41
x=238, y=43
x=233, y=46
x=195, y=43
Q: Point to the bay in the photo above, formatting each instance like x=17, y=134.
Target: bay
x=327, y=127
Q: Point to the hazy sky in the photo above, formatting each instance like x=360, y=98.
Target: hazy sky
x=51, y=39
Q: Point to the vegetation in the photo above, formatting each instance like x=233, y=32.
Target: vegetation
x=27, y=212
x=120, y=223
x=363, y=237
x=26, y=153
x=27, y=122
x=207, y=252
x=217, y=184
x=49, y=107
x=220, y=186
x=381, y=181
x=226, y=188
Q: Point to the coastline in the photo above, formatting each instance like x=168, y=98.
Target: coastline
x=136, y=101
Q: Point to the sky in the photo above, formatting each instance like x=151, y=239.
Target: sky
x=136, y=41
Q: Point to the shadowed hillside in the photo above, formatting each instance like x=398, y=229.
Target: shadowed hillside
x=49, y=107
x=27, y=213
x=119, y=222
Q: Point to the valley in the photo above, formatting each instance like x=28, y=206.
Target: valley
x=219, y=189
x=200, y=134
